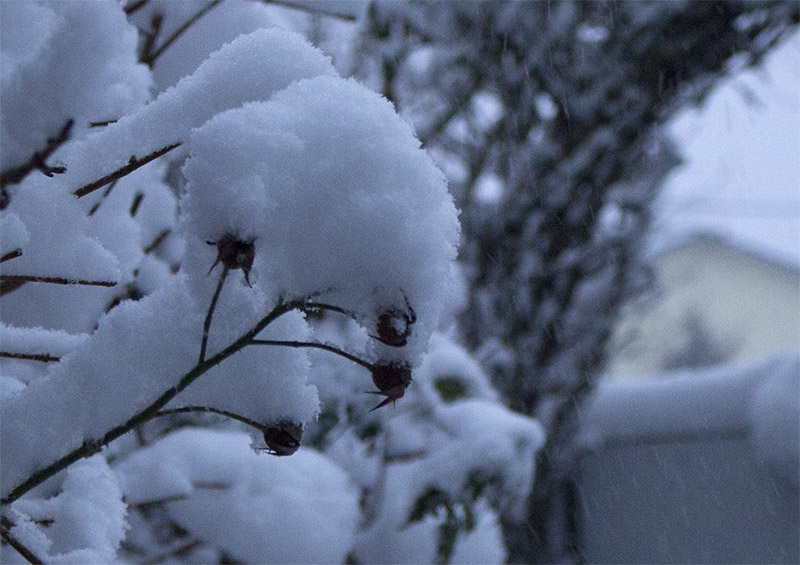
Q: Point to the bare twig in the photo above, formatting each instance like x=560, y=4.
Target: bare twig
x=102, y=123
x=211, y=307
x=15, y=175
x=314, y=345
x=106, y=192
x=19, y=547
x=90, y=447
x=157, y=241
x=149, y=43
x=208, y=409
x=179, y=551
x=11, y=255
x=150, y=57
x=43, y=357
x=133, y=6
x=10, y=282
x=133, y=164
x=311, y=306
x=312, y=9
x=137, y=200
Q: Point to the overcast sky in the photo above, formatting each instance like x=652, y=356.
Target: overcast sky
x=741, y=175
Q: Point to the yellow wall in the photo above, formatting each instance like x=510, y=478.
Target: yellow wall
x=750, y=305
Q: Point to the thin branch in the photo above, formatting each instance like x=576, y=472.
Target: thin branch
x=106, y=192
x=211, y=307
x=102, y=123
x=11, y=255
x=150, y=58
x=19, y=547
x=312, y=9
x=315, y=345
x=233, y=416
x=133, y=6
x=149, y=43
x=179, y=551
x=320, y=306
x=10, y=282
x=137, y=200
x=157, y=241
x=90, y=447
x=43, y=357
x=37, y=160
x=133, y=164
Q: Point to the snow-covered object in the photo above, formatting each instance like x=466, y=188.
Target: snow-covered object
x=337, y=196
x=759, y=401
x=64, y=60
x=38, y=341
x=257, y=509
x=86, y=518
x=252, y=67
x=774, y=414
x=139, y=350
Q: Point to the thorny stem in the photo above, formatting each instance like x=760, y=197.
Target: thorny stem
x=133, y=164
x=211, y=307
x=315, y=345
x=19, y=547
x=150, y=58
x=90, y=447
x=232, y=415
x=43, y=357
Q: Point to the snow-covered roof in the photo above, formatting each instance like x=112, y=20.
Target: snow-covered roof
x=664, y=245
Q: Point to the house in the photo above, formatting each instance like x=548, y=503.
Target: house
x=713, y=301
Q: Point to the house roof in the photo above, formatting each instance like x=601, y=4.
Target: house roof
x=666, y=246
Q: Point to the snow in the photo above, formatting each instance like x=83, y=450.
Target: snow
x=38, y=340
x=88, y=517
x=758, y=400
x=251, y=67
x=220, y=25
x=775, y=420
x=299, y=509
x=64, y=60
x=337, y=196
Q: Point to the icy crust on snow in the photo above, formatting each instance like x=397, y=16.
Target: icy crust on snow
x=86, y=518
x=64, y=60
x=140, y=350
x=252, y=67
x=258, y=509
x=337, y=196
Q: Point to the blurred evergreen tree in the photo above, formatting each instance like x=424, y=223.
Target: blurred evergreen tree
x=548, y=118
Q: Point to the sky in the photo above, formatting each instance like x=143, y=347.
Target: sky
x=741, y=174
